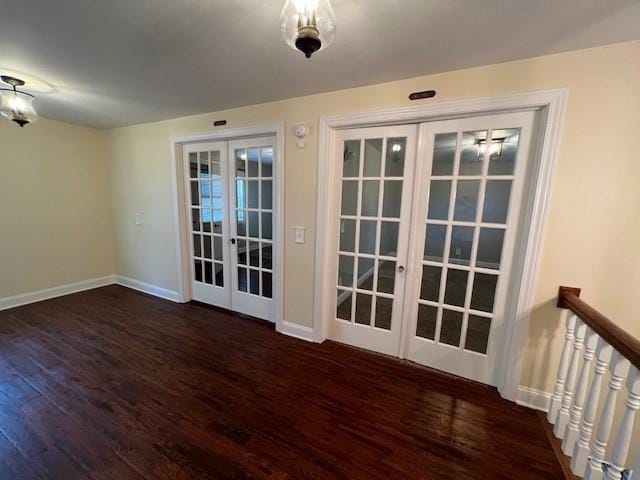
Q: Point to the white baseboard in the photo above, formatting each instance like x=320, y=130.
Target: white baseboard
x=297, y=331
x=149, y=288
x=59, y=291
x=47, y=293
x=532, y=398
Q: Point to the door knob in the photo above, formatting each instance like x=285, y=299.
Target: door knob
x=233, y=241
x=400, y=269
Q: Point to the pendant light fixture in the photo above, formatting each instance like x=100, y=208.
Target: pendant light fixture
x=308, y=25
x=16, y=105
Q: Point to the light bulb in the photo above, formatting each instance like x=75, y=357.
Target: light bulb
x=17, y=104
x=305, y=6
x=396, y=147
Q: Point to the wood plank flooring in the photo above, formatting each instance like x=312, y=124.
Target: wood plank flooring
x=114, y=384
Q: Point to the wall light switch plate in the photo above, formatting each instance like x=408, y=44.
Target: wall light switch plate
x=299, y=232
x=138, y=219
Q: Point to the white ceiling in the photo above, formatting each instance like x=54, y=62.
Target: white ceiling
x=107, y=63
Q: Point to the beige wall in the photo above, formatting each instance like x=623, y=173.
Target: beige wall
x=592, y=229
x=55, y=214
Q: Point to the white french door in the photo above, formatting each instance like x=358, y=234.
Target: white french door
x=373, y=215
x=230, y=193
x=456, y=231
x=251, y=210
x=469, y=189
x=208, y=196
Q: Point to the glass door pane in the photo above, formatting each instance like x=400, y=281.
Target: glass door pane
x=254, y=219
x=206, y=204
x=463, y=231
x=370, y=233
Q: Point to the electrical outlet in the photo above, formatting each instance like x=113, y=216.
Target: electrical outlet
x=138, y=219
x=299, y=234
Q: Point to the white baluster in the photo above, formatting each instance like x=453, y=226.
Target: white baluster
x=581, y=450
x=572, y=431
x=623, y=439
x=567, y=398
x=619, y=368
x=556, y=398
x=636, y=469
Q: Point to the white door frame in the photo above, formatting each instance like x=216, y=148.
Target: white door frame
x=551, y=106
x=180, y=218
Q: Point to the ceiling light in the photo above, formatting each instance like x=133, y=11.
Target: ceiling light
x=15, y=105
x=308, y=25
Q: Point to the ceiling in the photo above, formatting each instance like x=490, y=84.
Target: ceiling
x=120, y=62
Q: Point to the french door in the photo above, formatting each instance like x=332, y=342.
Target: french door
x=208, y=196
x=230, y=193
x=456, y=234
x=251, y=210
x=374, y=215
x=468, y=197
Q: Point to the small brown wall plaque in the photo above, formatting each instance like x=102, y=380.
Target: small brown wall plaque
x=422, y=95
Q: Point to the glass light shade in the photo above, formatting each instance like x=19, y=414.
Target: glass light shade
x=17, y=107
x=308, y=19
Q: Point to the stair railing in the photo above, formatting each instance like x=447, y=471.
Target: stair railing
x=593, y=342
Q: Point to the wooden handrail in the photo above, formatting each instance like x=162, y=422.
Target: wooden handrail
x=621, y=340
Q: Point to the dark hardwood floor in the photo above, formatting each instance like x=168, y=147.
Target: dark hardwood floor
x=114, y=384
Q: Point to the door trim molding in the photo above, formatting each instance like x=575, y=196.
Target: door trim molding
x=551, y=105
x=180, y=222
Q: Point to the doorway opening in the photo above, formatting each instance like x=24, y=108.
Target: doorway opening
x=228, y=196
x=426, y=240
x=431, y=244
